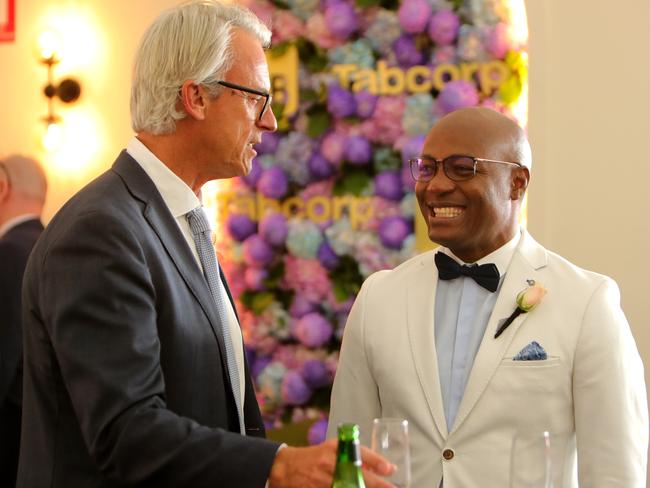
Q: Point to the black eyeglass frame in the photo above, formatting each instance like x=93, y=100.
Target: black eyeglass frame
x=267, y=96
x=444, y=162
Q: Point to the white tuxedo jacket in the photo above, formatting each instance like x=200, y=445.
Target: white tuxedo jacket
x=589, y=394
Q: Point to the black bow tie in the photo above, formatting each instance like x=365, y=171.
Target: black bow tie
x=486, y=275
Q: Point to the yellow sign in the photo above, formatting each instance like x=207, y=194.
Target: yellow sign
x=318, y=209
x=284, y=80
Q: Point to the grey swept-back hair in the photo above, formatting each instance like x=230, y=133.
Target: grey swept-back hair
x=188, y=42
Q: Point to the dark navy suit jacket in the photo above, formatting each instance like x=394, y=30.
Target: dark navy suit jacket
x=15, y=247
x=126, y=380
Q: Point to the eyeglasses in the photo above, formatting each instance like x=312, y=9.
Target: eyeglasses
x=457, y=168
x=267, y=97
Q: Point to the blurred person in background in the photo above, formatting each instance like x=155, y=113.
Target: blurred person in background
x=22, y=194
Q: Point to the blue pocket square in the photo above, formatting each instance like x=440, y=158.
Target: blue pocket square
x=532, y=352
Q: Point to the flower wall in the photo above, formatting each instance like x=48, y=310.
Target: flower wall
x=330, y=197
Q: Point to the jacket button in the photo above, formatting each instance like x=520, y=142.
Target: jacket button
x=448, y=454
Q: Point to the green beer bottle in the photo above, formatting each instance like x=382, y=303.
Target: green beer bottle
x=348, y=459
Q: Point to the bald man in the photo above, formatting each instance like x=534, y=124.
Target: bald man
x=22, y=195
x=435, y=341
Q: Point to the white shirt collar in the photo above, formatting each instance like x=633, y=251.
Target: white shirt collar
x=501, y=256
x=11, y=223
x=176, y=194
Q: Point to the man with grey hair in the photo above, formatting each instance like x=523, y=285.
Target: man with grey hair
x=135, y=373
x=22, y=194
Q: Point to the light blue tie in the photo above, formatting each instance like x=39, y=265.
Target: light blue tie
x=201, y=233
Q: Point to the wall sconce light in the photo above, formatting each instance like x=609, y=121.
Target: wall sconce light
x=68, y=90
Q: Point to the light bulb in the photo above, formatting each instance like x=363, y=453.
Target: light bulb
x=53, y=136
x=49, y=44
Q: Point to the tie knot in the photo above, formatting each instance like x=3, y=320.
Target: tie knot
x=198, y=221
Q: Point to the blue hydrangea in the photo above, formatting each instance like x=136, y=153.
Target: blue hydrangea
x=384, y=31
x=304, y=238
x=303, y=8
x=293, y=154
x=358, y=52
x=418, y=114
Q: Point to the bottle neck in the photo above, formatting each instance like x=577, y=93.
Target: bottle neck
x=349, y=452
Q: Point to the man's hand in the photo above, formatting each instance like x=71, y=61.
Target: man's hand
x=313, y=467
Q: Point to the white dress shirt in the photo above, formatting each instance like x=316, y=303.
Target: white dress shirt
x=180, y=199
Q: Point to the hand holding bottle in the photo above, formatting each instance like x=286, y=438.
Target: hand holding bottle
x=313, y=467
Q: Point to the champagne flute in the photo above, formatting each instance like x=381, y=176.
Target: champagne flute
x=531, y=463
x=390, y=438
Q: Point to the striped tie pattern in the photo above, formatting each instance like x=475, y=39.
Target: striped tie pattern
x=201, y=233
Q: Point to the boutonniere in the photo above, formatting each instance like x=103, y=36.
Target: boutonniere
x=527, y=300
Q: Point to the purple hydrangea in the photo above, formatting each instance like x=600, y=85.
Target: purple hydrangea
x=301, y=306
x=240, y=226
x=388, y=184
x=294, y=389
x=254, y=278
x=406, y=51
x=412, y=148
x=269, y=143
x=407, y=178
x=313, y=330
x=457, y=94
x=340, y=102
x=327, y=256
x=414, y=15
x=259, y=364
x=358, y=150
x=254, y=174
x=319, y=167
x=443, y=27
x=341, y=19
x=274, y=228
x=257, y=251
x=393, y=230
x=366, y=103
x=273, y=183
x=333, y=147
x=317, y=432
x=315, y=373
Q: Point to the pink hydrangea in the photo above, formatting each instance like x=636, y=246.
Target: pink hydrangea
x=263, y=9
x=319, y=189
x=318, y=32
x=498, y=41
x=381, y=208
x=234, y=273
x=333, y=147
x=306, y=276
x=385, y=125
x=286, y=26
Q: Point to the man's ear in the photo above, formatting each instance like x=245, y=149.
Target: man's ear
x=519, y=183
x=193, y=99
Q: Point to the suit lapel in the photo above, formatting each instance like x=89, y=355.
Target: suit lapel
x=527, y=259
x=162, y=222
x=421, y=295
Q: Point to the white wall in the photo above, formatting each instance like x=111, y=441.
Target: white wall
x=589, y=128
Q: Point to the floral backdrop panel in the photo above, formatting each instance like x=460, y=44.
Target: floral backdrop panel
x=329, y=200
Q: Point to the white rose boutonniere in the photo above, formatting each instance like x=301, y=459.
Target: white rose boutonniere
x=527, y=300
